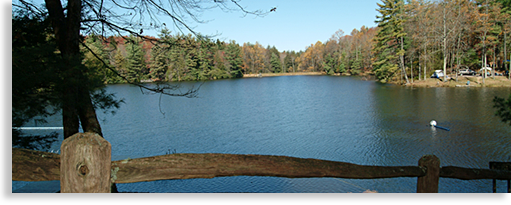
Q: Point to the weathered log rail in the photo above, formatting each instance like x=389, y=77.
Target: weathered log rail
x=30, y=165
x=186, y=166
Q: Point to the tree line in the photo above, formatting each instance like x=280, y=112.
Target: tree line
x=413, y=38
x=167, y=58
x=196, y=58
x=418, y=36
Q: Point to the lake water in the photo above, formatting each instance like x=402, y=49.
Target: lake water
x=324, y=117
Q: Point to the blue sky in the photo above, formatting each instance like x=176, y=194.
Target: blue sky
x=295, y=24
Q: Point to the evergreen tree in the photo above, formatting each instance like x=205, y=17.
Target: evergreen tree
x=329, y=64
x=35, y=69
x=177, y=63
x=356, y=67
x=342, y=64
x=233, y=56
x=208, y=48
x=389, y=48
x=191, y=65
x=219, y=71
x=288, y=62
x=96, y=67
x=159, y=63
x=341, y=68
x=120, y=62
x=275, y=63
x=204, y=67
x=135, y=62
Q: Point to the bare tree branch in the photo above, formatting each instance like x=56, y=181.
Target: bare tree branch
x=30, y=7
x=138, y=15
x=121, y=17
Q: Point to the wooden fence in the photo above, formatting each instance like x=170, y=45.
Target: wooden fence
x=85, y=166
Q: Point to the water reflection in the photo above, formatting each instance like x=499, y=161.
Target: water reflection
x=433, y=132
x=323, y=117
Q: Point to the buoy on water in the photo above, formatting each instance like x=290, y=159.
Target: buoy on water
x=433, y=124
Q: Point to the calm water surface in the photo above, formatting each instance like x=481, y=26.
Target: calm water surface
x=324, y=117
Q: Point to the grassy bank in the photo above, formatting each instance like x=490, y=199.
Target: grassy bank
x=475, y=81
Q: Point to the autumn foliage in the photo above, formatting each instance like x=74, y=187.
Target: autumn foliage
x=412, y=39
x=446, y=35
x=189, y=58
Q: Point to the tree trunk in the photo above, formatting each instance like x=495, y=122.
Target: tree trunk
x=419, y=61
x=444, y=48
x=484, y=70
x=425, y=62
x=70, y=119
x=402, y=59
x=458, y=55
x=484, y=44
x=77, y=105
x=494, y=63
x=505, y=56
x=445, y=67
x=411, y=70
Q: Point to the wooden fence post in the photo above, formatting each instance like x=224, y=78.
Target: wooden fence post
x=85, y=164
x=501, y=166
x=429, y=183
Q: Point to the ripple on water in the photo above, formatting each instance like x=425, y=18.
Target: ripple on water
x=324, y=117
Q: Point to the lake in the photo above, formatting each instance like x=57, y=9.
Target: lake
x=324, y=117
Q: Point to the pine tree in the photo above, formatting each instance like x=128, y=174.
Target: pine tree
x=275, y=63
x=160, y=56
x=120, y=62
x=203, y=65
x=389, y=52
x=159, y=63
x=219, y=71
x=329, y=64
x=356, y=67
x=135, y=60
x=95, y=68
x=341, y=68
x=191, y=68
x=289, y=61
x=233, y=56
x=177, y=63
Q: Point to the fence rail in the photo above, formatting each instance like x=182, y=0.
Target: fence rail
x=30, y=165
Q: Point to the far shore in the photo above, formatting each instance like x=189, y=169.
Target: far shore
x=463, y=81
x=281, y=74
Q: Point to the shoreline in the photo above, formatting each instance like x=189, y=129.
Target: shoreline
x=281, y=74
x=474, y=81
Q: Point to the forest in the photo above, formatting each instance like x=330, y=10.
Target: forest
x=412, y=39
x=417, y=37
x=190, y=58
